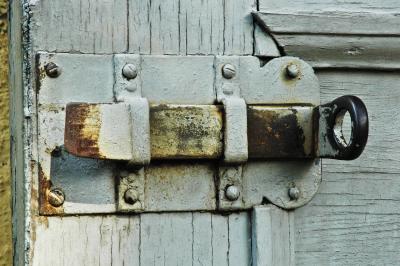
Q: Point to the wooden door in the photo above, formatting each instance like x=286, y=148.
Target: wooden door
x=354, y=49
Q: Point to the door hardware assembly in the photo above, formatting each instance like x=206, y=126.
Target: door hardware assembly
x=188, y=133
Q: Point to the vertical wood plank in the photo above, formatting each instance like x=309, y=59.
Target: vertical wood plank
x=87, y=240
x=271, y=235
x=202, y=24
x=164, y=27
x=220, y=240
x=139, y=26
x=202, y=240
x=239, y=239
x=238, y=27
x=125, y=241
x=97, y=26
x=166, y=239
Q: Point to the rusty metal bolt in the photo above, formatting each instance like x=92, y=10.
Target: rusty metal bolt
x=129, y=71
x=232, y=193
x=294, y=193
x=228, y=71
x=292, y=71
x=52, y=70
x=131, y=196
x=56, y=197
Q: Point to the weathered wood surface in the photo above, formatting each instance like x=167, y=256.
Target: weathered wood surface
x=366, y=32
x=354, y=220
x=311, y=5
x=272, y=237
x=355, y=217
x=144, y=26
x=150, y=239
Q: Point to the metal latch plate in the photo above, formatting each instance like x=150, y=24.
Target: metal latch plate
x=89, y=185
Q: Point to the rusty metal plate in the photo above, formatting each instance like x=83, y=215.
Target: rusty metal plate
x=280, y=132
x=187, y=131
x=176, y=131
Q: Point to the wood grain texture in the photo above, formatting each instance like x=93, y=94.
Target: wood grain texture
x=98, y=26
x=191, y=27
x=149, y=239
x=272, y=237
x=355, y=217
x=366, y=33
x=311, y=5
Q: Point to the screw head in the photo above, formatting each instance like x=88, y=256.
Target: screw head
x=131, y=196
x=232, y=193
x=129, y=71
x=228, y=71
x=294, y=193
x=56, y=197
x=292, y=71
x=52, y=70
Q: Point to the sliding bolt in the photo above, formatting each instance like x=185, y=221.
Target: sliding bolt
x=129, y=71
x=56, y=197
x=292, y=71
x=294, y=193
x=228, y=71
x=232, y=193
x=131, y=196
x=52, y=70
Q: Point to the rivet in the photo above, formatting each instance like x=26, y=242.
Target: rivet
x=228, y=71
x=56, y=197
x=129, y=71
x=131, y=87
x=294, y=193
x=131, y=196
x=52, y=70
x=292, y=71
x=232, y=193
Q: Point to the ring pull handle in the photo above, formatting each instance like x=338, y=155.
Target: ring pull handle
x=332, y=143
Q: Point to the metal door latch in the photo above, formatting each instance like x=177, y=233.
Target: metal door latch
x=242, y=119
x=196, y=132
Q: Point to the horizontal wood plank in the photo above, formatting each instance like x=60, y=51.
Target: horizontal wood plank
x=336, y=39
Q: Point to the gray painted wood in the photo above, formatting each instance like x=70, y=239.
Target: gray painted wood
x=357, y=52
x=352, y=221
x=88, y=240
x=98, y=26
x=264, y=44
x=20, y=177
x=239, y=227
x=355, y=217
x=238, y=27
x=311, y=5
x=272, y=235
x=220, y=240
x=366, y=33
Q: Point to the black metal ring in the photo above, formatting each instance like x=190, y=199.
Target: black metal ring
x=359, y=126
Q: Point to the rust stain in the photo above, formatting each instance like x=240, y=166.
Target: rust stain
x=44, y=187
x=272, y=134
x=186, y=132
x=82, y=130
